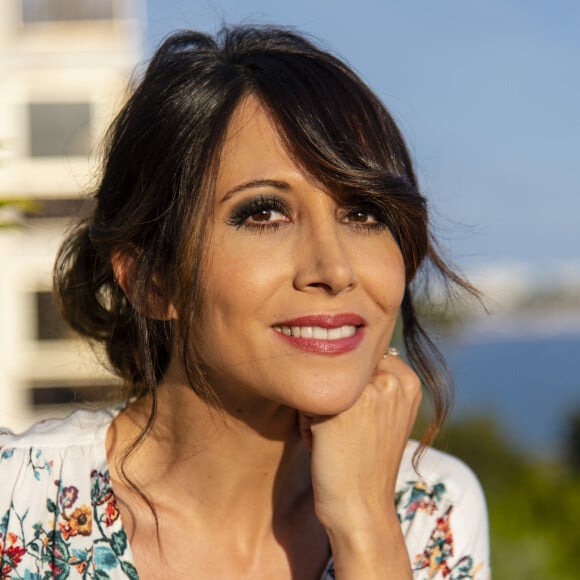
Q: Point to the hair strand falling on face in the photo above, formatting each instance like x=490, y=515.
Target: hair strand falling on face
x=155, y=195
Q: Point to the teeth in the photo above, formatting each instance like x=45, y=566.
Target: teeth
x=334, y=333
x=317, y=331
x=321, y=333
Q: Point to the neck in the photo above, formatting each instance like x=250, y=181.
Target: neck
x=248, y=463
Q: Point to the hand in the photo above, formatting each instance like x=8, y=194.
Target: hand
x=356, y=457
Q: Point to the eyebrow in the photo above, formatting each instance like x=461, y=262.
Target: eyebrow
x=282, y=185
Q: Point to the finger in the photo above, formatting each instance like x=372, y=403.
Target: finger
x=305, y=430
x=391, y=355
x=384, y=379
x=393, y=363
x=395, y=375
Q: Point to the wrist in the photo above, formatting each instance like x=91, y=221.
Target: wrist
x=371, y=532
x=372, y=548
x=357, y=516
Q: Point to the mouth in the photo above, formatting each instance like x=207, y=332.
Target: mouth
x=323, y=334
x=317, y=331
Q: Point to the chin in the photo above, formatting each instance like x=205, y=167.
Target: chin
x=329, y=399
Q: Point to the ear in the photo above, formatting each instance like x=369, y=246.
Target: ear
x=156, y=306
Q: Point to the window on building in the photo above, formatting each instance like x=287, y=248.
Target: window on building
x=66, y=10
x=58, y=208
x=57, y=129
x=46, y=393
x=49, y=323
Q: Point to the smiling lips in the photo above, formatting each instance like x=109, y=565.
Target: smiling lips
x=323, y=334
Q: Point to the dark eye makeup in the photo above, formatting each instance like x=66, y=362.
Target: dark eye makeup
x=257, y=213
x=270, y=212
x=365, y=215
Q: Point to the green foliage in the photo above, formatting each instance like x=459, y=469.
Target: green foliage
x=534, y=506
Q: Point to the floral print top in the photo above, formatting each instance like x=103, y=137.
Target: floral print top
x=59, y=517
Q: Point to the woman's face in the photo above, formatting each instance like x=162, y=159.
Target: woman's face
x=301, y=293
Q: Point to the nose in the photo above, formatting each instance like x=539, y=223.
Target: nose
x=323, y=261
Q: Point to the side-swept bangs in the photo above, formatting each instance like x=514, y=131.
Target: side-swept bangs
x=155, y=196
x=344, y=138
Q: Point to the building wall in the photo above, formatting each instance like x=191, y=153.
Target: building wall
x=65, y=67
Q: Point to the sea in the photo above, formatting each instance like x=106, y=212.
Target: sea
x=526, y=377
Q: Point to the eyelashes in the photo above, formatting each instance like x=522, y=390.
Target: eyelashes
x=260, y=214
x=365, y=215
x=269, y=213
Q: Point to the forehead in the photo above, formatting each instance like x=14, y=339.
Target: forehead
x=253, y=148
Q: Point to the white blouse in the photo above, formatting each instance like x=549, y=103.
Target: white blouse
x=59, y=517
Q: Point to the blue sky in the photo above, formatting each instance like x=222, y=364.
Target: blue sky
x=486, y=93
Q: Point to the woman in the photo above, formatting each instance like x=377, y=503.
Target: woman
x=255, y=235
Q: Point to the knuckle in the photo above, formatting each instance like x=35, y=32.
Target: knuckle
x=385, y=381
x=415, y=388
x=415, y=382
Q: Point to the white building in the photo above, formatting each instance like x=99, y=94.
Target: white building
x=65, y=66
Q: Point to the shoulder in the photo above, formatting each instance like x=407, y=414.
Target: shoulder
x=34, y=464
x=443, y=514
x=455, y=480
x=82, y=427
x=58, y=513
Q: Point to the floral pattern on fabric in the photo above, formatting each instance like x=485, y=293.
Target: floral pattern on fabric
x=77, y=539
x=420, y=498
x=59, y=517
x=436, y=559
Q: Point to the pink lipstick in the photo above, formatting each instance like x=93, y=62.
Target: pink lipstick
x=323, y=333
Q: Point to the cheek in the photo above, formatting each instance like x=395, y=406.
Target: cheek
x=386, y=280
x=395, y=289
x=239, y=280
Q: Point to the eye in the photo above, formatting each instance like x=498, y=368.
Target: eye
x=265, y=216
x=259, y=214
x=361, y=216
x=364, y=217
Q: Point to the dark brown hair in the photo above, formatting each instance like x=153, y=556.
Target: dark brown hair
x=155, y=194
